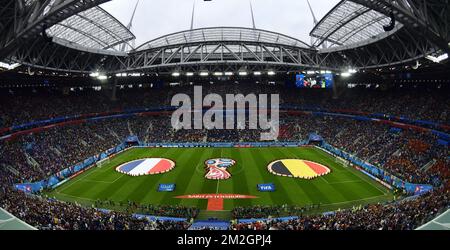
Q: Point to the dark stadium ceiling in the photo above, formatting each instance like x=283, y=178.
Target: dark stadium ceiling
x=77, y=36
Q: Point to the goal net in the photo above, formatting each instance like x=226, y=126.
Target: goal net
x=103, y=162
x=342, y=161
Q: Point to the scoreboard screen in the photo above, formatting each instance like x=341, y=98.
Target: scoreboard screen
x=319, y=81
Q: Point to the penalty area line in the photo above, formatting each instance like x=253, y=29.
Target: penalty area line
x=76, y=197
x=80, y=178
x=350, y=201
x=363, y=177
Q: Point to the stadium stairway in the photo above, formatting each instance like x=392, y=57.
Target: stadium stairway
x=129, y=128
x=31, y=161
x=429, y=165
x=11, y=169
x=114, y=134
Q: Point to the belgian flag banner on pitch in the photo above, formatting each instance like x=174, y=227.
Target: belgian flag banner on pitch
x=298, y=168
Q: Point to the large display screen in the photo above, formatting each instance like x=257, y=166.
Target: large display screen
x=319, y=81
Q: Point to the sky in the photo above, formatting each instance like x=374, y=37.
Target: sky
x=155, y=18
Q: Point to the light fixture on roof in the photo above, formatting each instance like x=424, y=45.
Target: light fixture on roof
x=176, y=74
x=102, y=77
x=229, y=73
x=218, y=73
x=189, y=73
x=257, y=73
x=204, y=73
x=9, y=66
x=243, y=73
x=271, y=73
x=437, y=59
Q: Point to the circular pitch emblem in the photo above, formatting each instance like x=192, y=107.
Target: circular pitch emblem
x=217, y=169
x=148, y=166
x=298, y=168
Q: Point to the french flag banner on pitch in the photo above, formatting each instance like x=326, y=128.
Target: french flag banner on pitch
x=148, y=166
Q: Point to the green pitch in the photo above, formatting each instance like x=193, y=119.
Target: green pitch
x=342, y=188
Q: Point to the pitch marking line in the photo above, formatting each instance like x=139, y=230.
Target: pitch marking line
x=218, y=181
x=217, y=189
x=105, y=182
x=71, y=184
x=76, y=197
x=353, y=169
x=344, y=202
x=342, y=182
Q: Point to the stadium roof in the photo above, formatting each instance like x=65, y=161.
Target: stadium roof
x=350, y=23
x=10, y=222
x=223, y=34
x=86, y=39
x=442, y=222
x=93, y=28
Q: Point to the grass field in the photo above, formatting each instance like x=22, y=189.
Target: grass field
x=342, y=188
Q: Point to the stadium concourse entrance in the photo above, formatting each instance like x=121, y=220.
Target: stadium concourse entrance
x=132, y=141
x=315, y=139
x=214, y=215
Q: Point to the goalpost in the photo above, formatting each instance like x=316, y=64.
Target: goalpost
x=103, y=162
x=342, y=161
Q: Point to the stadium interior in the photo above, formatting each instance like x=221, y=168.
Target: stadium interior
x=367, y=99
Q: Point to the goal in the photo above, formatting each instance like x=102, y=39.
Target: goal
x=103, y=162
x=342, y=161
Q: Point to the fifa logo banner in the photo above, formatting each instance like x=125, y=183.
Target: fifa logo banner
x=269, y=187
x=217, y=169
